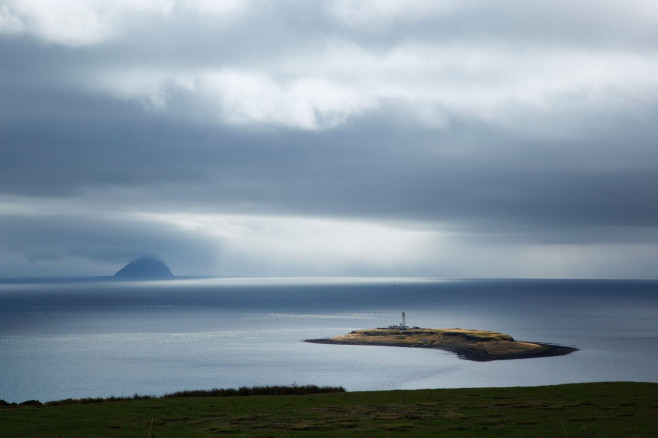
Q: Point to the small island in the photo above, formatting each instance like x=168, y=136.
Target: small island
x=145, y=268
x=476, y=345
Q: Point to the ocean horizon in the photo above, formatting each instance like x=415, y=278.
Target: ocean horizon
x=99, y=337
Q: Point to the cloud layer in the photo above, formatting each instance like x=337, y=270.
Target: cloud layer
x=330, y=138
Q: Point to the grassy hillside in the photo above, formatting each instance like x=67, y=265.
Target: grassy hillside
x=580, y=410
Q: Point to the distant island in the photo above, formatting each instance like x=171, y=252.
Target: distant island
x=476, y=345
x=145, y=267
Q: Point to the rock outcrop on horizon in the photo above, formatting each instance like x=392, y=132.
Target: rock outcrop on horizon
x=145, y=267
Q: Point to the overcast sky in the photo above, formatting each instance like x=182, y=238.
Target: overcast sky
x=273, y=138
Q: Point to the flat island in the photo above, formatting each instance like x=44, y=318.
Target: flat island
x=477, y=345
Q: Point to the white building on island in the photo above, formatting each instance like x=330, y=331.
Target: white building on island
x=402, y=326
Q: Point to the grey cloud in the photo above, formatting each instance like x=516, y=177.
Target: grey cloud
x=348, y=172
x=521, y=23
x=512, y=123
x=109, y=243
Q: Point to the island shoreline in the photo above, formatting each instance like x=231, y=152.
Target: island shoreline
x=464, y=352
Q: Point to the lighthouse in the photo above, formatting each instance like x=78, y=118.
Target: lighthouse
x=402, y=325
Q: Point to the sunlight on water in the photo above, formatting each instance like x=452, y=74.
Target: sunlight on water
x=101, y=338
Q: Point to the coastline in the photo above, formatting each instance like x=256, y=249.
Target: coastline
x=462, y=352
x=482, y=347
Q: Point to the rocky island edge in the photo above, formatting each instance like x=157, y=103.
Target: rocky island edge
x=476, y=345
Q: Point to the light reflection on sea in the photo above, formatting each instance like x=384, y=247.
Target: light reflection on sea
x=98, y=338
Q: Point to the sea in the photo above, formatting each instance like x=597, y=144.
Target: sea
x=102, y=337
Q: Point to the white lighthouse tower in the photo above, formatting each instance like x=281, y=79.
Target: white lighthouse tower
x=402, y=326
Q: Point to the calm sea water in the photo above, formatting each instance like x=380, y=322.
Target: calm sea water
x=101, y=337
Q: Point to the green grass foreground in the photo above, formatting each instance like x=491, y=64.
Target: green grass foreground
x=619, y=409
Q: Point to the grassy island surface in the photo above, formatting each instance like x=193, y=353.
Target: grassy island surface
x=478, y=345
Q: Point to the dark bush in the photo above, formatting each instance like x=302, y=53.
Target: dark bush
x=258, y=390
x=31, y=403
x=217, y=392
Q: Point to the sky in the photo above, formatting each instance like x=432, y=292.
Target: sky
x=330, y=138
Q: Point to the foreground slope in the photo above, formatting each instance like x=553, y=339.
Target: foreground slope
x=580, y=410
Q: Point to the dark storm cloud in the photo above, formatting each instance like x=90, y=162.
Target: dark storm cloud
x=546, y=194
x=109, y=243
x=507, y=124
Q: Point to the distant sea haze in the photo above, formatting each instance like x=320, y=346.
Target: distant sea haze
x=96, y=338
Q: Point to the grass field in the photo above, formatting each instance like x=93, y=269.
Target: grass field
x=578, y=410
